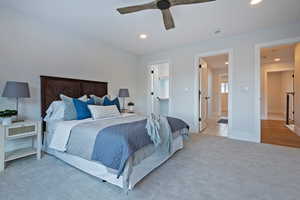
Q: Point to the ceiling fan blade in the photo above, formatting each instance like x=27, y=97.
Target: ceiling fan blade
x=168, y=19
x=137, y=8
x=183, y=2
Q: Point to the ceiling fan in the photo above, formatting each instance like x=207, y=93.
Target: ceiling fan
x=164, y=6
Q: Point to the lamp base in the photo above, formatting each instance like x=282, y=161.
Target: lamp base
x=124, y=110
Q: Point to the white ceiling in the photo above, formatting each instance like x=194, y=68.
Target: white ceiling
x=286, y=53
x=217, y=61
x=98, y=19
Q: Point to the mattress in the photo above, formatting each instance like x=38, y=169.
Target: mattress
x=100, y=171
x=51, y=126
x=138, y=165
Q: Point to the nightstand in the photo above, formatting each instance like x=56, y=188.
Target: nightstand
x=18, y=130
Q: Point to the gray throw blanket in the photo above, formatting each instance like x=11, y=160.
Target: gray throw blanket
x=115, y=144
x=177, y=124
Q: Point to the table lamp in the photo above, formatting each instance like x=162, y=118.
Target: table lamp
x=123, y=93
x=16, y=90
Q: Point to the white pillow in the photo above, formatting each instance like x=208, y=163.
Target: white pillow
x=55, y=111
x=99, y=112
x=84, y=98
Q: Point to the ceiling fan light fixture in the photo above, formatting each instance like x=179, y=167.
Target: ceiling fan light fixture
x=164, y=6
x=255, y=2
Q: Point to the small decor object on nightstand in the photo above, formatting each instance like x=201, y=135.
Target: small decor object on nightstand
x=123, y=93
x=16, y=90
x=6, y=116
x=130, y=107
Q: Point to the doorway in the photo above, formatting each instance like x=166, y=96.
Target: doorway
x=214, y=94
x=160, y=87
x=277, y=69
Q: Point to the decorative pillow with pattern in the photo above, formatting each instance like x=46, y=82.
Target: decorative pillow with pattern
x=70, y=111
x=100, y=112
x=98, y=100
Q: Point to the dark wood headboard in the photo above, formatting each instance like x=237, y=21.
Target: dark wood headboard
x=52, y=87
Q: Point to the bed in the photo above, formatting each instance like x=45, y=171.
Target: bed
x=77, y=145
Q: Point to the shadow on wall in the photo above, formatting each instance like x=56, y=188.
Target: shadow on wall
x=7, y=103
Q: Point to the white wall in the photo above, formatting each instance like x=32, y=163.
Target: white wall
x=224, y=96
x=275, y=103
x=286, y=86
x=265, y=70
x=183, y=71
x=30, y=48
x=163, y=70
x=216, y=96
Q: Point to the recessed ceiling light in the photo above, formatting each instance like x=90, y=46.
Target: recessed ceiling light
x=143, y=36
x=226, y=63
x=277, y=59
x=255, y=2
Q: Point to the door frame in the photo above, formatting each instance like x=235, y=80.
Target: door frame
x=257, y=84
x=197, y=79
x=149, y=106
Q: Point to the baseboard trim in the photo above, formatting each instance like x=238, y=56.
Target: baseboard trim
x=244, y=136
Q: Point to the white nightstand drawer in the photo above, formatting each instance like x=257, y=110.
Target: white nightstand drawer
x=20, y=130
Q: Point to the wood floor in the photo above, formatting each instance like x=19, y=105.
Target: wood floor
x=216, y=129
x=275, y=132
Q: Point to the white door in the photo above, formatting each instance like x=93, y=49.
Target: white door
x=160, y=89
x=203, y=95
x=156, y=91
x=155, y=103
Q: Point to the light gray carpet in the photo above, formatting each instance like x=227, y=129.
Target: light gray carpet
x=208, y=168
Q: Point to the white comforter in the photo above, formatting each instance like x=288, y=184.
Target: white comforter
x=63, y=130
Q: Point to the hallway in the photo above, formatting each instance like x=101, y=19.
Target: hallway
x=275, y=132
x=216, y=129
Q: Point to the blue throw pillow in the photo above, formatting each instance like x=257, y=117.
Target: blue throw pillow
x=82, y=109
x=108, y=102
x=98, y=100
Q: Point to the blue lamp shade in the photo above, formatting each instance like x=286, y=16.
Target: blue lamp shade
x=15, y=89
x=123, y=93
